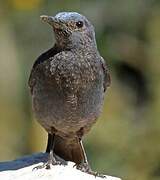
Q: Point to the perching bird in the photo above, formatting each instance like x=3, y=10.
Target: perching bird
x=67, y=85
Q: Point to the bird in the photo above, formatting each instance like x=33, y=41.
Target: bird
x=67, y=84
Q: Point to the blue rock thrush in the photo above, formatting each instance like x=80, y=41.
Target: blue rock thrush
x=67, y=84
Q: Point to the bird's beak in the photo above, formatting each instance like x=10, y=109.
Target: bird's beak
x=51, y=20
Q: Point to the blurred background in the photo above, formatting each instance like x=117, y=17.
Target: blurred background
x=125, y=142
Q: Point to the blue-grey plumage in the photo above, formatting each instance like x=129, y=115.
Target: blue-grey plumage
x=68, y=83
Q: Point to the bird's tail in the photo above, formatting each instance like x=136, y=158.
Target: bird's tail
x=73, y=151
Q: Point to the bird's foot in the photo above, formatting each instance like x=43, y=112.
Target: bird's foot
x=44, y=165
x=47, y=165
x=84, y=167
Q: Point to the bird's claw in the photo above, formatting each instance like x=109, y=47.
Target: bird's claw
x=39, y=167
x=84, y=167
x=47, y=165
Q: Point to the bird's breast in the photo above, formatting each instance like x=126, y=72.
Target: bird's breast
x=74, y=73
x=69, y=94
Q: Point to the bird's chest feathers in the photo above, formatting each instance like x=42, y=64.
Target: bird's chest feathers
x=73, y=74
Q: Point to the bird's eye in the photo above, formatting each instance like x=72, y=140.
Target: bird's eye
x=79, y=24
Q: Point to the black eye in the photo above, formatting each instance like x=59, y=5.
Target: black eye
x=79, y=24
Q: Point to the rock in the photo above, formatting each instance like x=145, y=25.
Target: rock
x=23, y=168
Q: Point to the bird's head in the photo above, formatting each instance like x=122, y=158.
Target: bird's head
x=71, y=29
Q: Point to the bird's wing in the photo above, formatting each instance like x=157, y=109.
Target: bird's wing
x=107, y=77
x=43, y=57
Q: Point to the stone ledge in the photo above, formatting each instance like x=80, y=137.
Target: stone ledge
x=23, y=169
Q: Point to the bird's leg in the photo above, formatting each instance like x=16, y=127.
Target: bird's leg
x=84, y=165
x=48, y=142
x=51, y=158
